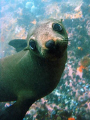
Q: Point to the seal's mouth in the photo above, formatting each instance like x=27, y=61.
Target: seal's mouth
x=54, y=50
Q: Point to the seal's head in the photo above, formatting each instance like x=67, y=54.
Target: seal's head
x=48, y=39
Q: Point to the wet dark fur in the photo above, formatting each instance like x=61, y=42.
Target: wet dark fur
x=31, y=74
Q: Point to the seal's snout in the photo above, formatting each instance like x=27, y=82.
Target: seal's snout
x=50, y=44
x=55, y=48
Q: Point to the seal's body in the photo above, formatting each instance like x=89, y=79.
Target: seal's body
x=35, y=71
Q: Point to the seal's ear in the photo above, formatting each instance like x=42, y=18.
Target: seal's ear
x=61, y=20
x=18, y=44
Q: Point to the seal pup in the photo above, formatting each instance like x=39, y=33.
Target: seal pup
x=34, y=71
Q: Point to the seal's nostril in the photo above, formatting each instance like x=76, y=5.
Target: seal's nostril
x=50, y=44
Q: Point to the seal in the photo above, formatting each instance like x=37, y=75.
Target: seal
x=35, y=70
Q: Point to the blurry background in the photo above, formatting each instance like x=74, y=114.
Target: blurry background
x=71, y=98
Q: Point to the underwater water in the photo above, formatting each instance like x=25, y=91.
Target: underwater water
x=71, y=98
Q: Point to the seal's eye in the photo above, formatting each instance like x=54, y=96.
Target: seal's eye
x=32, y=44
x=57, y=27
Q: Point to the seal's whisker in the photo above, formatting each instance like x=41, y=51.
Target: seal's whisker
x=67, y=40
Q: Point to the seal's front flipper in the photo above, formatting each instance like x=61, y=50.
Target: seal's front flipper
x=16, y=112
x=11, y=113
x=18, y=44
